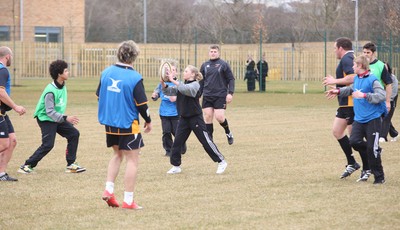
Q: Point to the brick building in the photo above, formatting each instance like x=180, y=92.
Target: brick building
x=42, y=21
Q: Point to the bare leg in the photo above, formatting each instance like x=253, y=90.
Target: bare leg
x=132, y=163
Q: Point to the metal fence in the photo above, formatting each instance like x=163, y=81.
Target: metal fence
x=298, y=62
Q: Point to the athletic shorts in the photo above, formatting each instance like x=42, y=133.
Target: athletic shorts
x=125, y=142
x=6, y=126
x=346, y=113
x=214, y=102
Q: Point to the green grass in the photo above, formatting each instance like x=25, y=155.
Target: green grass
x=283, y=171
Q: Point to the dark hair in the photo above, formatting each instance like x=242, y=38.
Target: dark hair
x=345, y=43
x=389, y=69
x=56, y=68
x=370, y=46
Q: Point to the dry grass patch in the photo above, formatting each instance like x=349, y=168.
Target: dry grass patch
x=283, y=173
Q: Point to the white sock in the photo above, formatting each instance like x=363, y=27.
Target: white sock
x=110, y=187
x=128, y=197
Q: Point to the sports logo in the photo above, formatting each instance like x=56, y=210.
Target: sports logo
x=60, y=102
x=114, y=86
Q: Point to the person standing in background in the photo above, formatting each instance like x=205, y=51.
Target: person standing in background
x=250, y=75
x=262, y=71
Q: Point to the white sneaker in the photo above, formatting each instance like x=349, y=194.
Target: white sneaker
x=394, y=138
x=381, y=139
x=175, y=170
x=221, y=166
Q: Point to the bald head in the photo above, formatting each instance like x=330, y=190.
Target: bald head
x=5, y=55
x=4, y=51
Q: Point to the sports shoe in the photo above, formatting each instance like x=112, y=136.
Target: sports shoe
x=394, y=138
x=26, y=169
x=230, y=138
x=175, y=170
x=6, y=177
x=381, y=139
x=221, y=166
x=133, y=206
x=364, y=175
x=379, y=181
x=349, y=170
x=74, y=168
x=110, y=199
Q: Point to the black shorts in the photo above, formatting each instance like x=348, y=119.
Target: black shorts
x=6, y=126
x=125, y=142
x=214, y=102
x=346, y=113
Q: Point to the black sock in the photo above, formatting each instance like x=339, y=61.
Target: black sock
x=225, y=126
x=210, y=129
x=345, y=144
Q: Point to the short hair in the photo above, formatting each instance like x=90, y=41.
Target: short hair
x=363, y=61
x=128, y=52
x=214, y=47
x=370, y=46
x=56, y=68
x=197, y=74
x=389, y=69
x=4, y=51
x=345, y=43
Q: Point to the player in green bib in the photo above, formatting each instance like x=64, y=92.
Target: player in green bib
x=379, y=70
x=51, y=118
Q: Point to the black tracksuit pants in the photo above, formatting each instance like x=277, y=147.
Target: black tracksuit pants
x=370, y=131
x=387, y=126
x=185, y=127
x=168, y=125
x=49, y=131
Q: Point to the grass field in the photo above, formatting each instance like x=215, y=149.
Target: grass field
x=283, y=171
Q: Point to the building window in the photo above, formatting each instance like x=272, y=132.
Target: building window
x=47, y=34
x=4, y=33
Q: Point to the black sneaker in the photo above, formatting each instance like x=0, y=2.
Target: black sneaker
x=349, y=170
x=230, y=138
x=6, y=177
x=379, y=181
x=365, y=174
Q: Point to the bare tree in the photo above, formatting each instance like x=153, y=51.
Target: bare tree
x=392, y=19
x=260, y=28
x=234, y=21
x=213, y=20
x=170, y=21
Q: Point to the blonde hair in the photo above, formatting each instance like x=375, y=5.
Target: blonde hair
x=363, y=61
x=128, y=52
x=197, y=75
